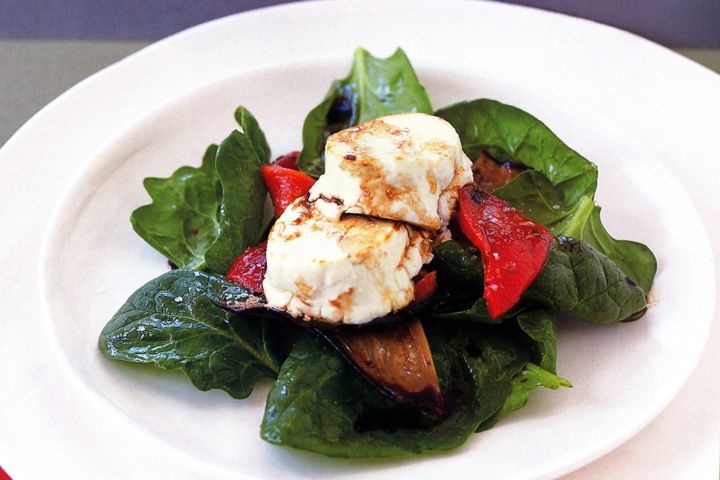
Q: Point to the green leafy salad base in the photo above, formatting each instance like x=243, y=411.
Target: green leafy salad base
x=202, y=218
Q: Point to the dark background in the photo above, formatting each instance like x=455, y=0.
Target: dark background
x=673, y=23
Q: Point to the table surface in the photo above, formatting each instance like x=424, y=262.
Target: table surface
x=36, y=71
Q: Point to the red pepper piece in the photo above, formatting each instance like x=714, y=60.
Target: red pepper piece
x=288, y=161
x=425, y=287
x=513, y=247
x=285, y=185
x=248, y=270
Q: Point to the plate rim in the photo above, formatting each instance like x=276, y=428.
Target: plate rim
x=77, y=90
x=53, y=236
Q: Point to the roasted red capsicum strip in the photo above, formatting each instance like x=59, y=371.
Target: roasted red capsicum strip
x=285, y=185
x=513, y=247
x=288, y=161
x=425, y=287
x=248, y=270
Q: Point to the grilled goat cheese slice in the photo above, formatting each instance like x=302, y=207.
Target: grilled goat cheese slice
x=406, y=167
x=346, y=271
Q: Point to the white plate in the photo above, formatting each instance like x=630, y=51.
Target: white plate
x=158, y=110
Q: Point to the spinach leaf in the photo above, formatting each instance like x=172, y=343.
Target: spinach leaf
x=576, y=280
x=461, y=281
x=319, y=403
x=461, y=262
x=452, y=309
x=242, y=218
x=182, y=222
x=205, y=217
x=558, y=189
x=173, y=322
x=581, y=282
x=535, y=196
x=635, y=259
x=539, y=325
x=509, y=134
x=374, y=87
x=531, y=378
x=250, y=127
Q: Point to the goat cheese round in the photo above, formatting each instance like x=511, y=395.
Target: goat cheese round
x=345, y=271
x=406, y=167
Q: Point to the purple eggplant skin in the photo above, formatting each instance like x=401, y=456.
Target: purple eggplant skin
x=391, y=351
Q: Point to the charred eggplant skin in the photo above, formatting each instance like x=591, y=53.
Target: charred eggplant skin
x=319, y=403
x=395, y=358
x=256, y=303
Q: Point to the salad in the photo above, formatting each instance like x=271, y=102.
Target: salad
x=399, y=279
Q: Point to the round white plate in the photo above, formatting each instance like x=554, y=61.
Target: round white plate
x=606, y=93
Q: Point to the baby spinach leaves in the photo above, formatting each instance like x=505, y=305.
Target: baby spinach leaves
x=558, y=185
x=583, y=283
x=634, y=258
x=509, y=134
x=241, y=217
x=182, y=221
x=319, y=403
x=174, y=323
x=539, y=326
x=576, y=280
x=460, y=263
x=531, y=378
x=456, y=308
x=204, y=217
x=373, y=88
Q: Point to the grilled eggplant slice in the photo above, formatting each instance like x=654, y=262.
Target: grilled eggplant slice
x=396, y=359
